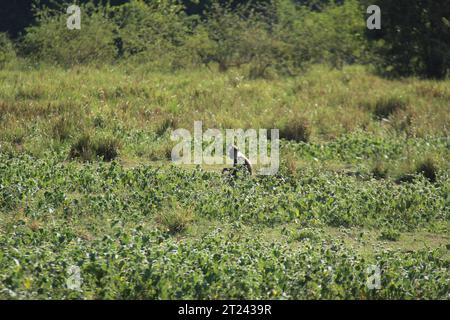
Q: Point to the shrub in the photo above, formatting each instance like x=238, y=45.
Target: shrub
x=199, y=48
x=267, y=52
x=151, y=32
x=242, y=36
x=7, y=53
x=51, y=41
x=321, y=36
x=267, y=37
x=226, y=28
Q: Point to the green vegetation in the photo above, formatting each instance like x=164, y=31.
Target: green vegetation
x=7, y=53
x=266, y=38
x=105, y=219
x=141, y=228
x=86, y=178
x=413, y=38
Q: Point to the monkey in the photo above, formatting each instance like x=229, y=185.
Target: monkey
x=238, y=159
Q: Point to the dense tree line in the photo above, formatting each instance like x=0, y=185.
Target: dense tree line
x=16, y=15
x=279, y=35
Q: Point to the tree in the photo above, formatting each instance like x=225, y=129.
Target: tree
x=414, y=37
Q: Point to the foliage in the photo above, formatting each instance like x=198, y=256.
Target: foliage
x=174, y=218
x=50, y=40
x=7, y=52
x=150, y=31
x=414, y=37
x=99, y=217
x=271, y=38
x=333, y=35
x=138, y=227
x=390, y=235
x=265, y=38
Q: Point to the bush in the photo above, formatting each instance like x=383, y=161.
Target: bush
x=152, y=32
x=227, y=30
x=243, y=36
x=51, y=41
x=7, y=53
x=333, y=35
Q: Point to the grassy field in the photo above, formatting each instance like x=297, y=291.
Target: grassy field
x=86, y=180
